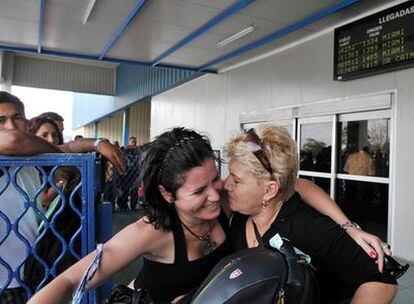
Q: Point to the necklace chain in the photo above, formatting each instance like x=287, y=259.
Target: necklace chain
x=209, y=243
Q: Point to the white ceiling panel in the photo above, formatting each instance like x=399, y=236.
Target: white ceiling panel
x=179, y=13
x=220, y=4
x=27, y=10
x=161, y=24
x=18, y=32
x=285, y=11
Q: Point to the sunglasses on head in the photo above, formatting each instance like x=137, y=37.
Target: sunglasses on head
x=255, y=146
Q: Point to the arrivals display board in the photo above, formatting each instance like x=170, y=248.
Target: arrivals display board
x=375, y=44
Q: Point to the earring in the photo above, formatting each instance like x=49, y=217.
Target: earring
x=264, y=203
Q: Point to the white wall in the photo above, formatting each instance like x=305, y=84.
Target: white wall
x=296, y=76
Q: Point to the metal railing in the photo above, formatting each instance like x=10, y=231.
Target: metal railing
x=35, y=242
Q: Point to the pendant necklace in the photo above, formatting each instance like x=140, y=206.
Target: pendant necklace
x=208, y=243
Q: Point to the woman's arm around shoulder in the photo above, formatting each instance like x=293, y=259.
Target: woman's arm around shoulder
x=123, y=248
x=375, y=293
x=314, y=196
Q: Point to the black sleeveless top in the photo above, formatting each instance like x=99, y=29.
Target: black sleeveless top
x=167, y=281
x=342, y=265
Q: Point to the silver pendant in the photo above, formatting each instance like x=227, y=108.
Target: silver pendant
x=208, y=244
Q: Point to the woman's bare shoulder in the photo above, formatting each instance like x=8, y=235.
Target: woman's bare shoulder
x=153, y=237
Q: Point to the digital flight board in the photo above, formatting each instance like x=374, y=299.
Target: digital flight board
x=378, y=43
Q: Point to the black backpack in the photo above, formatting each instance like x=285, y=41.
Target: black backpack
x=261, y=275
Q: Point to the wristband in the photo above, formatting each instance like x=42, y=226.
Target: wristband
x=350, y=225
x=98, y=141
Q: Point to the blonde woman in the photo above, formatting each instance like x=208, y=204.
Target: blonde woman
x=261, y=193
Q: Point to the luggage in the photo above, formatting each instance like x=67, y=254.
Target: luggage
x=272, y=274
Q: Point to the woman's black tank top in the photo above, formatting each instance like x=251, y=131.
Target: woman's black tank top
x=165, y=281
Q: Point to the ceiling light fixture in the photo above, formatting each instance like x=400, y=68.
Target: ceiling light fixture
x=88, y=11
x=236, y=36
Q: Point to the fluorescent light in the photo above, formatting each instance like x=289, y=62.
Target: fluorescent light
x=88, y=11
x=236, y=36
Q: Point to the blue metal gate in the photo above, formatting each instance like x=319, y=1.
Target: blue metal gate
x=18, y=174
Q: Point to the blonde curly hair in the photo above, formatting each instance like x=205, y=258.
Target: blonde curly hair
x=280, y=149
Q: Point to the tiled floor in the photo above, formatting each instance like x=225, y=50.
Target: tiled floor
x=406, y=292
x=121, y=219
x=406, y=283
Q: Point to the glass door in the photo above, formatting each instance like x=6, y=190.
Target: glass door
x=362, y=185
x=316, y=137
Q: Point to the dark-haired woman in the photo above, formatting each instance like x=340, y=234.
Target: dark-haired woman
x=49, y=131
x=46, y=129
x=183, y=233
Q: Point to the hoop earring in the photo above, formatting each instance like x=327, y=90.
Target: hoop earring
x=264, y=203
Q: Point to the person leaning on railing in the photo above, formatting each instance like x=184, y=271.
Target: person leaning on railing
x=14, y=140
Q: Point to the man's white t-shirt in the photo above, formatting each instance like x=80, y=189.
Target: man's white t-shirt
x=12, y=204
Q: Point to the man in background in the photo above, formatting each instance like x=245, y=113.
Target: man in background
x=126, y=183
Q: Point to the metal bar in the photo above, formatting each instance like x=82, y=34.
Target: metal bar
x=32, y=50
x=316, y=174
x=335, y=144
x=42, y=5
x=122, y=28
x=90, y=207
x=278, y=34
x=47, y=159
x=364, y=178
x=230, y=11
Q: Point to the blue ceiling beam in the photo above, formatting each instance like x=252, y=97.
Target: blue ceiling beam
x=42, y=5
x=33, y=50
x=122, y=28
x=278, y=34
x=230, y=11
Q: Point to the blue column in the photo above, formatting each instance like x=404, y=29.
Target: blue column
x=95, y=130
x=125, y=127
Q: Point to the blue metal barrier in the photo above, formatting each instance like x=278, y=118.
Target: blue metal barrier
x=24, y=225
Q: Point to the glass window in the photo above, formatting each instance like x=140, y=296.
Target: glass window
x=365, y=203
x=323, y=182
x=315, y=147
x=365, y=147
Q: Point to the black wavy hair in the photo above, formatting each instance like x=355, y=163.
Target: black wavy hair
x=167, y=160
x=6, y=97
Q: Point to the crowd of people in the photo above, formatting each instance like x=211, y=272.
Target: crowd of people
x=192, y=219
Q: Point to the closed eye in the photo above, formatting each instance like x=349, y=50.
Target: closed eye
x=201, y=189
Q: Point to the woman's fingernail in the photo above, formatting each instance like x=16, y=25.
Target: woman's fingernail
x=373, y=254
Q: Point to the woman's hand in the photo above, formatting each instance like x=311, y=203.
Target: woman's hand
x=371, y=244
